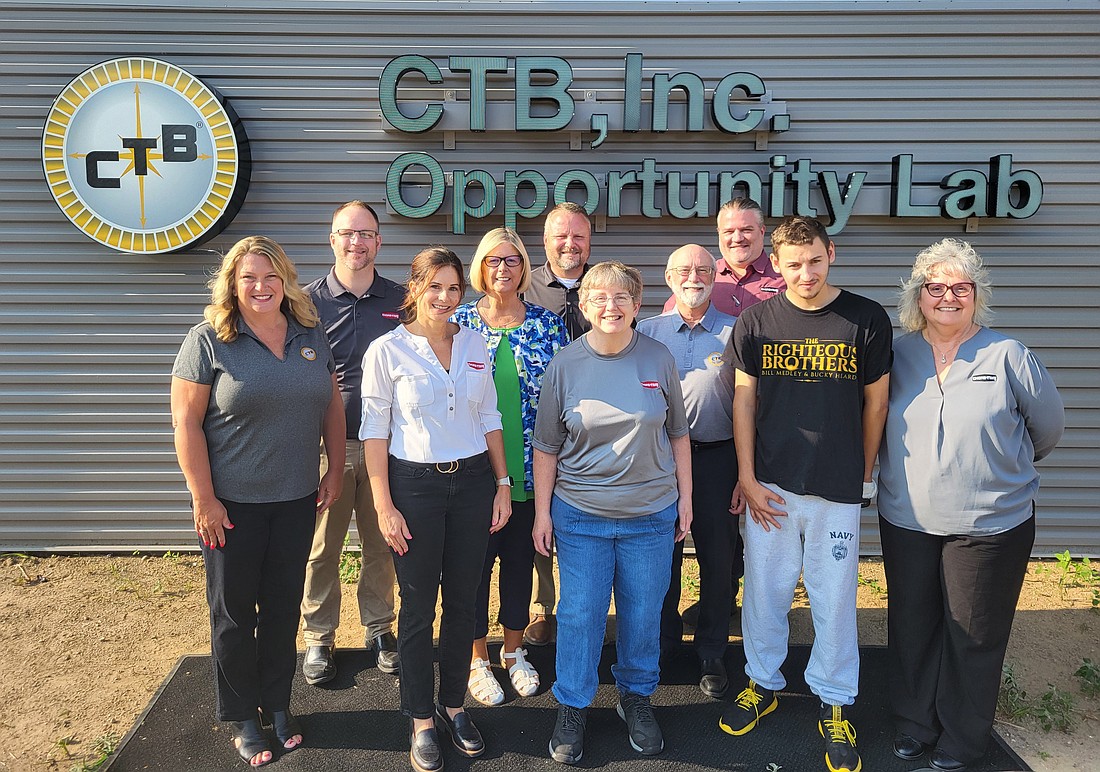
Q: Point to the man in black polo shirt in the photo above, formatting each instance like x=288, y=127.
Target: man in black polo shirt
x=356, y=306
x=566, y=237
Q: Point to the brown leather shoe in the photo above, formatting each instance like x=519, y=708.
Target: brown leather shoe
x=539, y=632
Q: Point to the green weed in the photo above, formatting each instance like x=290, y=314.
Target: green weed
x=1054, y=710
x=351, y=564
x=872, y=584
x=1089, y=677
x=103, y=747
x=1012, y=700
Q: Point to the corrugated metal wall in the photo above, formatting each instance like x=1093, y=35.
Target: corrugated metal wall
x=87, y=335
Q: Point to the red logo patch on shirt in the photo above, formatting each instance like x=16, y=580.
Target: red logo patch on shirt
x=650, y=385
x=476, y=365
x=390, y=315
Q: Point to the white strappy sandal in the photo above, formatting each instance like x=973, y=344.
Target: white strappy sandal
x=524, y=677
x=483, y=685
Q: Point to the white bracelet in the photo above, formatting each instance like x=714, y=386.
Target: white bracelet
x=504, y=481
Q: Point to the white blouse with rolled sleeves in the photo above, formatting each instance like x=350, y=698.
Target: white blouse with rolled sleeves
x=428, y=414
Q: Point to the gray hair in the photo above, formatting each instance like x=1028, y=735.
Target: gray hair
x=610, y=274
x=947, y=256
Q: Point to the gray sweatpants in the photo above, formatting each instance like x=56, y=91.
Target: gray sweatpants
x=819, y=540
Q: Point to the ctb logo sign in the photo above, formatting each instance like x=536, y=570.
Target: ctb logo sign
x=144, y=157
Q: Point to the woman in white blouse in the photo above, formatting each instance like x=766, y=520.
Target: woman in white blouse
x=433, y=447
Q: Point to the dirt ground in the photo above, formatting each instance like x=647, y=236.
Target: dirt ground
x=87, y=640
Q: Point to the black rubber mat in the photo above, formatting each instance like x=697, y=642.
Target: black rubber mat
x=354, y=723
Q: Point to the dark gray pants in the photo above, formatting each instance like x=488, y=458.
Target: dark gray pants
x=254, y=589
x=951, y=604
x=718, y=547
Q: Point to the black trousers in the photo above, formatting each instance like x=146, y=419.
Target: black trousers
x=254, y=588
x=516, y=549
x=951, y=604
x=719, y=550
x=448, y=516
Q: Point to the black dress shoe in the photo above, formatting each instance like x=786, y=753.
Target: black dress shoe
x=940, y=760
x=318, y=666
x=424, y=751
x=463, y=732
x=386, y=657
x=907, y=747
x=714, y=681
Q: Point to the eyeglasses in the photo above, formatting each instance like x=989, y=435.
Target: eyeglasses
x=347, y=233
x=512, y=261
x=683, y=273
x=961, y=290
x=620, y=299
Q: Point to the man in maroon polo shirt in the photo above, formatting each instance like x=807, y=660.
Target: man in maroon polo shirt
x=744, y=276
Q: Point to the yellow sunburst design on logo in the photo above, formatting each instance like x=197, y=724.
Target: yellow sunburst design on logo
x=119, y=214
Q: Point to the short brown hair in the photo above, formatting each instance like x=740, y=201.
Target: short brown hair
x=798, y=230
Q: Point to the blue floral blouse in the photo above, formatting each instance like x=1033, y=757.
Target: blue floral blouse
x=533, y=344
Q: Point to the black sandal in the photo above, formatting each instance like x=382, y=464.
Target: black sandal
x=250, y=742
x=285, y=725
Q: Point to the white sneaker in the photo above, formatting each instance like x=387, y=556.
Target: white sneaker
x=524, y=677
x=483, y=685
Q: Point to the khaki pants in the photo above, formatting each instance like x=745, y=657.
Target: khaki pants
x=321, y=600
x=545, y=594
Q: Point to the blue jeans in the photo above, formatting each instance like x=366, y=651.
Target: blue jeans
x=596, y=554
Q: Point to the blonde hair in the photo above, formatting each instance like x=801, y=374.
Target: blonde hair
x=947, y=256
x=491, y=241
x=223, y=313
x=425, y=266
x=610, y=274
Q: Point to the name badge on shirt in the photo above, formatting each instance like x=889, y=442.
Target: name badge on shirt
x=391, y=315
x=651, y=385
x=984, y=377
x=772, y=290
x=476, y=365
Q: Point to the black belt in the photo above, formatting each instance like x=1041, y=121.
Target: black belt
x=705, y=445
x=443, y=467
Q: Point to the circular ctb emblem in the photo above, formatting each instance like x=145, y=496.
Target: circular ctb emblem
x=144, y=157
x=309, y=353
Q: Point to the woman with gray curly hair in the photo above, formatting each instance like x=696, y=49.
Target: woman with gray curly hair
x=971, y=411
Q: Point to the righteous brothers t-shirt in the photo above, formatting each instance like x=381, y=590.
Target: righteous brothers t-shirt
x=811, y=367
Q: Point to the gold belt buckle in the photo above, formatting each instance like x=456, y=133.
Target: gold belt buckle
x=450, y=467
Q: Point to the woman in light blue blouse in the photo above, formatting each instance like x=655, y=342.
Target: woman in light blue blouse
x=971, y=411
x=522, y=338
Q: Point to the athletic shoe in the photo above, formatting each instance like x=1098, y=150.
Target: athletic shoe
x=567, y=742
x=840, y=740
x=752, y=704
x=641, y=724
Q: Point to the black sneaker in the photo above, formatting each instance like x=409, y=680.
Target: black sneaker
x=840, y=740
x=641, y=724
x=567, y=742
x=752, y=704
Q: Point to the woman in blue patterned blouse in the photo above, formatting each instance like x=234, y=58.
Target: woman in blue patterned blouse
x=522, y=338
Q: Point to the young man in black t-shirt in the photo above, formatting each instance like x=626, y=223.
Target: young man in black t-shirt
x=809, y=408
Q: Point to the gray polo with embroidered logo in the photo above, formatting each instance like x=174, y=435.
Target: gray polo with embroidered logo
x=263, y=420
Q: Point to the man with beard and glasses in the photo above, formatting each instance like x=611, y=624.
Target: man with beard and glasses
x=356, y=305
x=743, y=277
x=566, y=237
x=699, y=337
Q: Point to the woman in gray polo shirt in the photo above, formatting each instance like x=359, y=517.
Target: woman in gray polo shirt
x=971, y=411
x=253, y=393
x=612, y=471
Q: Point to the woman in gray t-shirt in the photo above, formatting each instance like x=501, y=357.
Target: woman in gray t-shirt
x=612, y=471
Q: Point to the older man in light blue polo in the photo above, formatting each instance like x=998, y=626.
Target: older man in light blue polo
x=699, y=335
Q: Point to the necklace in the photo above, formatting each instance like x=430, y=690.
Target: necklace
x=512, y=320
x=951, y=349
